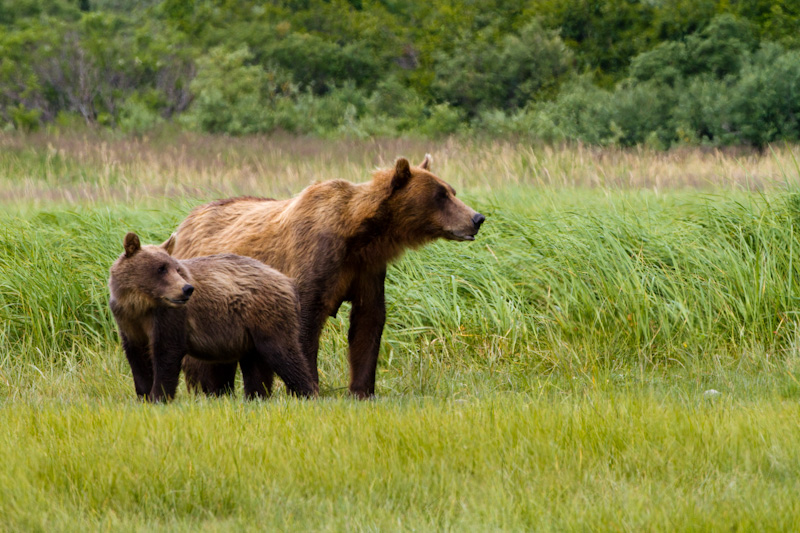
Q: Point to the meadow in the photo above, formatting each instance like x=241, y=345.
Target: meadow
x=619, y=349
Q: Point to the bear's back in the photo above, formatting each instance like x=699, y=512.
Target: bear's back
x=287, y=234
x=233, y=296
x=224, y=226
x=230, y=277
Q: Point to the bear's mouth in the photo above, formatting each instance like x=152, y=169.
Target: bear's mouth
x=455, y=236
x=177, y=301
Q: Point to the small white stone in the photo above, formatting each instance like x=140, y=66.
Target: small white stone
x=711, y=393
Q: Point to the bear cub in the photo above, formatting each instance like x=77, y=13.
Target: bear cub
x=219, y=309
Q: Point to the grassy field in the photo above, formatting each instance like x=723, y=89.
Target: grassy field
x=557, y=373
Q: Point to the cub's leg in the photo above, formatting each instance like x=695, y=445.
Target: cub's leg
x=168, y=348
x=283, y=356
x=256, y=375
x=138, y=354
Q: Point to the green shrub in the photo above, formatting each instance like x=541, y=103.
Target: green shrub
x=318, y=64
x=25, y=119
x=721, y=48
x=482, y=73
x=642, y=112
x=235, y=97
x=442, y=120
x=665, y=64
x=138, y=118
x=701, y=113
x=714, y=88
x=497, y=123
x=582, y=112
x=759, y=106
x=765, y=102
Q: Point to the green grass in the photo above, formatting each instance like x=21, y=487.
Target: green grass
x=551, y=375
x=556, y=278
x=601, y=460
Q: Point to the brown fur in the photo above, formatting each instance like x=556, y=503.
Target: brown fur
x=222, y=308
x=336, y=239
x=226, y=201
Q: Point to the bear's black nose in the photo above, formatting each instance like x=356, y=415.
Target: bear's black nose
x=188, y=290
x=478, y=219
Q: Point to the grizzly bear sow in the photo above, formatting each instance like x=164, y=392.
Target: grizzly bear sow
x=222, y=308
x=336, y=239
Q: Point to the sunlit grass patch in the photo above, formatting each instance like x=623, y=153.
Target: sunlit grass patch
x=598, y=460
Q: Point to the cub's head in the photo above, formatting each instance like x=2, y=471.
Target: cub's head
x=423, y=207
x=145, y=277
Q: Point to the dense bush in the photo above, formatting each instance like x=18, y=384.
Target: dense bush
x=234, y=96
x=615, y=72
x=91, y=67
x=716, y=87
x=501, y=75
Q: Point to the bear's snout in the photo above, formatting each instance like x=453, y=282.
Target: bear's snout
x=477, y=220
x=182, y=298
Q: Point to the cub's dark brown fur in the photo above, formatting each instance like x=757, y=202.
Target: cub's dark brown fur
x=336, y=239
x=221, y=308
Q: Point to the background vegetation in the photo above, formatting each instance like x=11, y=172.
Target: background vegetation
x=618, y=72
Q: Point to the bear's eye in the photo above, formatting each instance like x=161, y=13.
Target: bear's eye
x=441, y=194
x=162, y=269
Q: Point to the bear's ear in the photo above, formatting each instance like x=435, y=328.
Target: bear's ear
x=426, y=163
x=402, y=173
x=131, y=244
x=169, y=245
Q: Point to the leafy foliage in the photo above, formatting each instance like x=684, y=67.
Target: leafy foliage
x=501, y=75
x=612, y=72
x=719, y=86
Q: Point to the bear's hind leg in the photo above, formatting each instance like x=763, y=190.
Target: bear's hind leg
x=214, y=379
x=257, y=377
x=286, y=360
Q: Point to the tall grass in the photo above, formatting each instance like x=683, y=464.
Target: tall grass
x=43, y=169
x=556, y=280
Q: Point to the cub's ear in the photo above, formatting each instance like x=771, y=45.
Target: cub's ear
x=426, y=163
x=402, y=173
x=169, y=244
x=131, y=244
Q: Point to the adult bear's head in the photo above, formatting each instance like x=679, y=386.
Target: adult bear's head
x=423, y=207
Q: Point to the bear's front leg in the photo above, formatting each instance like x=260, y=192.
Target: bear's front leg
x=169, y=344
x=367, y=318
x=136, y=351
